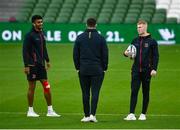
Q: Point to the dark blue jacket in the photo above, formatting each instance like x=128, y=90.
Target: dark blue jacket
x=34, y=49
x=90, y=53
x=147, y=55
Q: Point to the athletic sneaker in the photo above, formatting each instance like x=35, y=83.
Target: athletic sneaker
x=130, y=117
x=52, y=114
x=142, y=117
x=93, y=118
x=85, y=119
x=32, y=114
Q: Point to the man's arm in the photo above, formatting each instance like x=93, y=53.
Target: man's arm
x=26, y=50
x=46, y=53
x=155, y=58
x=46, y=57
x=105, y=55
x=26, y=53
x=155, y=54
x=76, y=55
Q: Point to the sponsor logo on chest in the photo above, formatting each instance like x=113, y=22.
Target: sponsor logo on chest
x=146, y=45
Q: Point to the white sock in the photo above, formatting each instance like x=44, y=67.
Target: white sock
x=31, y=109
x=50, y=108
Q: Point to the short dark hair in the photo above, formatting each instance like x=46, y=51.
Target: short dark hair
x=35, y=17
x=91, y=22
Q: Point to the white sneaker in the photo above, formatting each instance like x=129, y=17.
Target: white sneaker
x=142, y=117
x=52, y=114
x=130, y=117
x=93, y=118
x=85, y=119
x=32, y=114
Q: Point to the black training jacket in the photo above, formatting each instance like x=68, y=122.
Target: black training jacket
x=90, y=53
x=34, y=48
x=147, y=55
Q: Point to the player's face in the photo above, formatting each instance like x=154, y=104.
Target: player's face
x=38, y=24
x=142, y=29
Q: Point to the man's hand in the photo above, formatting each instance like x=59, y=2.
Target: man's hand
x=153, y=73
x=127, y=53
x=48, y=65
x=26, y=70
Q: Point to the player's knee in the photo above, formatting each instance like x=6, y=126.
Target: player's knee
x=46, y=87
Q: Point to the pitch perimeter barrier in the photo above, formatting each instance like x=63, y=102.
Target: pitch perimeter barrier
x=67, y=33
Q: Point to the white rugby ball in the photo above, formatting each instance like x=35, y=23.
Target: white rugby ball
x=132, y=51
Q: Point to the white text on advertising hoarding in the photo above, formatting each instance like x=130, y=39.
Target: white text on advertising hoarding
x=53, y=36
x=8, y=35
x=72, y=35
x=110, y=36
x=114, y=37
x=56, y=36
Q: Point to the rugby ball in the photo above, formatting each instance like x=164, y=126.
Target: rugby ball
x=131, y=51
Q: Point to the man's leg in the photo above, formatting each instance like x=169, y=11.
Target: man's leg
x=47, y=92
x=47, y=95
x=145, y=90
x=85, y=88
x=30, y=94
x=135, y=85
x=96, y=82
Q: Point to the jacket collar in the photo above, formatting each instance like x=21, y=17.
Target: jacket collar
x=144, y=37
x=33, y=30
x=90, y=30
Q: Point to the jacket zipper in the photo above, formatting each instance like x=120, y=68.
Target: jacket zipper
x=34, y=57
x=140, y=56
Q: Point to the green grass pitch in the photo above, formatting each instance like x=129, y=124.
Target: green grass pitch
x=163, y=111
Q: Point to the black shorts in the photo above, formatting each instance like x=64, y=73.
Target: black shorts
x=37, y=72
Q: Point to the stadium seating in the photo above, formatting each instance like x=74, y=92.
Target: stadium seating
x=105, y=11
x=172, y=8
